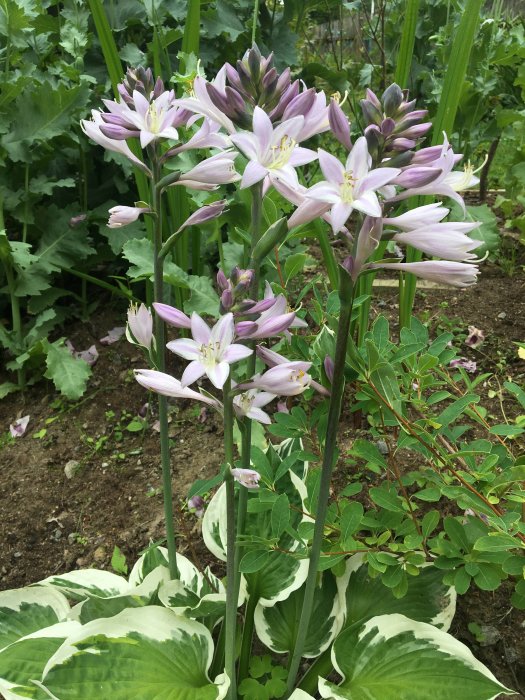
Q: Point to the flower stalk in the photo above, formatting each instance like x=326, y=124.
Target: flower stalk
x=160, y=343
x=230, y=622
x=346, y=291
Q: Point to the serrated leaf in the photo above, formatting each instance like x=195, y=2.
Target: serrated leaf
x=69, y=374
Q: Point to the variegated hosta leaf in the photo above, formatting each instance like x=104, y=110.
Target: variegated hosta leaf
x=391, y=657
x=299, y=694
x=145, y=593
x=25, y=659
x=427, y=598
x=147, y=653
x=203, y=598
x=155, y=556
x=281, y=573
x=276, y=626
x=26, y=610
x=78, y=585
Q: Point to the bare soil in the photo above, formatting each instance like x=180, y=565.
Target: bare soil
x=51, y=521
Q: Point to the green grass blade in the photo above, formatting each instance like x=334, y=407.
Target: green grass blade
x=107, y=43
x=406, y=47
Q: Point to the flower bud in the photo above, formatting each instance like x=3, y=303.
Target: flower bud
x=139, y=330
x=392, y=99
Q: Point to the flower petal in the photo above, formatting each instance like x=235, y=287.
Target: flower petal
x=193, y=371
x=185, y=347
x=200, y=330
x=218, y=374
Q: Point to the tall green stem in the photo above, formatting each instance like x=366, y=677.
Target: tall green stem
x=334, y=413
x=160, y=342
x=15, y=303
x=231, y=600
x=246, y=444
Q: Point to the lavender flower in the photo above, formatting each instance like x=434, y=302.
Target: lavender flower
x=287, y=379
x=205, y=213
x=164, y=384
x=456, y=274
x=272, y=152
x=211, y=351
x=250, y=404
x=172, y=316
x=122, y=216
x=139, y=330
x=196, y=504
x=210, y=173
x=346, y=188
x=247, y=477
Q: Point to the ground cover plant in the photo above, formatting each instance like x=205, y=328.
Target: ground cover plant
x=382, y=579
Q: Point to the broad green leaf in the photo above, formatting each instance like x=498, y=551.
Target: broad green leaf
x=386, y=383
x=25, y=659
x=427, y=598
x=350, y=519
x=150, y=653
x=69, y=374
x=280, y=517
x=276, y=626
x=26, y=610
x=392, y=657
x=455, y=409
x=43, y=112
x=496, y=543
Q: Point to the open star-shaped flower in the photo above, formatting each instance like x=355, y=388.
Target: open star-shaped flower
x=211, y=350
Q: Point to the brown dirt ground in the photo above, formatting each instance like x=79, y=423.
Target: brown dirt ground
x=51, y=523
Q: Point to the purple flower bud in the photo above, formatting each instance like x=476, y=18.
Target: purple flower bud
x=371, y=113
x=372, y=97
x=416, y=131
x=348, y=264
x=339, y=124
x=226, y=300
x=245, y=328
x=392, y=99
x=117, y=133
x=387, y=126
x=222, y=281
x=329, y=368
x=158, y=89
x=249, y=478
x=251, y=307
x=427, y=155
x=300, y=105
x=401, y=144
x=172, y=316
x=417, y=176
x=206, y=213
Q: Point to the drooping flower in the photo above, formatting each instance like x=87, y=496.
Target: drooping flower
x=139, y=330
x=92, y=128
x=446, y=241
x=210, y=173
x=247, y=477
x=165, y=384
x=271, y=152
x=206, y=213
x=287, y=379
x=250, y=404
x=346, y=188
x=456, y=274
x=427, y=215
x=273, y=359
x=211, y=351
x=122, y=216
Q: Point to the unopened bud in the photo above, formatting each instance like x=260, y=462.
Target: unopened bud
x=392, y=99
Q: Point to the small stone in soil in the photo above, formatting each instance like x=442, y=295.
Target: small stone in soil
x=502, y=315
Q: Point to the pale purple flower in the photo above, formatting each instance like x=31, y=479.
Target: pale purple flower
x=475, y=337
x=89, y=356
x=92, y=129
x=247, y=477
x=287, y=379
x=210, y=173
x=271, y=152
x=250, y=404
x=445, y=184
x=467, y=365
x=165, y=384
x=201, y=103
x=122, y=216
x=205, y=213
x=153, y=119
x=427, y=215
x=196, y=504
x=456, y=274
x=346, y=188
x=211, y=351
x=113, y=335
x=207, y=136
x=139, y=330
x=316, y=119
x=171, y=315
x=19, y=426
x=273, y=359
x=446, y=241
